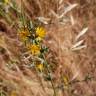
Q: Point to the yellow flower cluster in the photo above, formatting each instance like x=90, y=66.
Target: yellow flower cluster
x=32, y=39
x=6, y=1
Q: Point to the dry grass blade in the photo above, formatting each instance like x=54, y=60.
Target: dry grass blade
x=54, y=14
x=79, y=48
x=81, y=33
x=72, y=20
x=60, y=1
x=75, y=76
x=69, y=8
x=43, y=20
x=77, y=44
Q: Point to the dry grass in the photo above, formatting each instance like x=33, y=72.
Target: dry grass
x=64, y=20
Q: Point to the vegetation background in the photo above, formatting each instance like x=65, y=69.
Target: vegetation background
x=71, y=38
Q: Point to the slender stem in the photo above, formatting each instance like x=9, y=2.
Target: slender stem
x=48, y=69
x=22, y=14
x=39, y=76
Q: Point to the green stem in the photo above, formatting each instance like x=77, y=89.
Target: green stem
x=22, y=14
x=48, y=69
x=39, y=77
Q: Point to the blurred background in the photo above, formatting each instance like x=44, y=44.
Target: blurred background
x=71, y=39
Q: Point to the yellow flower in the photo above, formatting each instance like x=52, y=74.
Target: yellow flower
x=24, y=34
x=6, y=1
x=35, y=49
x=13, y=93
x=65, y=80
x=40, y=32
x=38, y=39
x=40, y=67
